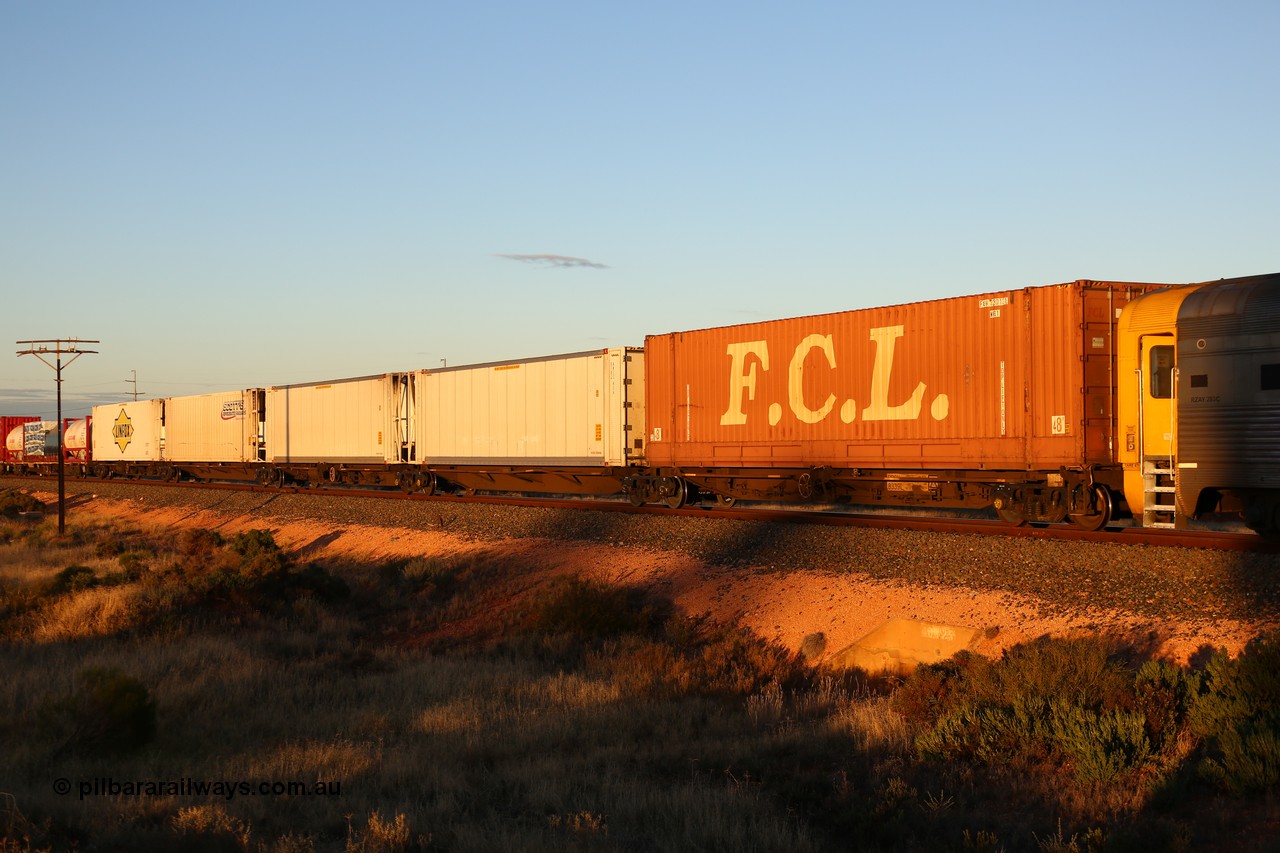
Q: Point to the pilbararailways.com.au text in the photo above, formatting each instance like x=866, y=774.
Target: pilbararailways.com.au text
x=227, y=789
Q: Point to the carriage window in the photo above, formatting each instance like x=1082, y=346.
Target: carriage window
x=1162, y=372
x=1271, y=377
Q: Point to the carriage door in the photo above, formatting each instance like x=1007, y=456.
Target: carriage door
x=1157, y=415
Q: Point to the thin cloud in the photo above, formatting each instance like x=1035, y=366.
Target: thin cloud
x=561, y=261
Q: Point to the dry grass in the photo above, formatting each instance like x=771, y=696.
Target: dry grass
x=583, y=718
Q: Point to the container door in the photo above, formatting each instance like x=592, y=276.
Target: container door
x=405, y=393
x=633, y=390
x=256, y=426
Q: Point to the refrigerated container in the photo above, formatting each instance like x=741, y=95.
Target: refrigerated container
x=362, y=420
x=577, y=409
x=224, y=427
x=128, y=432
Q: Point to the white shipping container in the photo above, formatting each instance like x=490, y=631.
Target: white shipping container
x=360, y=420
x=129, y=432
x=576, y=409
x=221, y=427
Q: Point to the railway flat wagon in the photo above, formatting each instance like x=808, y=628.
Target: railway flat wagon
x=566, y=424
x=357, y=430
x=1004, y=399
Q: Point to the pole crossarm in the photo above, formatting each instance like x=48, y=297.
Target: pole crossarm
x=60, y=347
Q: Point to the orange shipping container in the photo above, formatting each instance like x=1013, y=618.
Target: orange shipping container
x=1011, y=380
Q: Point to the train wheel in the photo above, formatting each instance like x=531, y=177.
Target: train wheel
x=726, y=501
x=680, y=496
x=635, y=497
x=1011, y=516
x=1099, y=513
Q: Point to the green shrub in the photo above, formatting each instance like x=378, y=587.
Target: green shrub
x=259, y=553
x=70, y=579
x=1163, y=694
x=1237, y=711
x=1100, y=745
x=110, y=712
x=1065, y=702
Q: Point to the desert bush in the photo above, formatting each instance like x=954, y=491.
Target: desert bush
x=1163, y=693
x=1237, y=711
x=1060, y=702
x=110, y=712
x=385, y=836
x=199, y=542
x=435, y=578
x=70, y=579
x=259, y=553
x=17, y=598
x=432, y=577
x=696, y=657
x=13, y=502
x=587, y=610
x=209, y=826
x=245, y=583
x=133, y=563
x=312, y=580
x=108, y=544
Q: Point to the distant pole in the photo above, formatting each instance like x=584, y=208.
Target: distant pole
x=134, y=380
x=60, y=347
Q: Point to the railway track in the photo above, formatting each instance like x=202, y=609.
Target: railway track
x=1197, y=577
x=1220, y=540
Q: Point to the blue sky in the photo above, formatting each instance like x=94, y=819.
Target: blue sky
x=243, y=194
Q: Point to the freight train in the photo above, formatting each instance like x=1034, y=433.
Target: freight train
x=31, y=444
x=1084, y=402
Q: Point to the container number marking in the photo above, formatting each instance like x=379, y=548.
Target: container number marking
x=1058, y=424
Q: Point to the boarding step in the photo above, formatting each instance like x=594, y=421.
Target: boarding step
x=1159, y=479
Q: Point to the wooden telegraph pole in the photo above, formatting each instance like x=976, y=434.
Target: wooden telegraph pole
x=58, y=347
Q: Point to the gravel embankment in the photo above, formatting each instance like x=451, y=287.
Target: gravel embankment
x=1147, y=581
